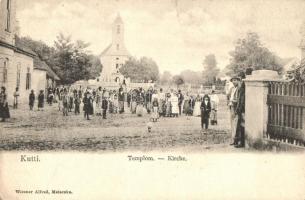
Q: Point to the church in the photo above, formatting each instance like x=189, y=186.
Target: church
x=114, y=56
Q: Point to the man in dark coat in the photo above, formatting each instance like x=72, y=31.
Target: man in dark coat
x=180, y=100
x=104, y=107
x=205, y=111
x=88, y=106
x=121, y=98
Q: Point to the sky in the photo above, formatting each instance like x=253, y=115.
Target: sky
x=177, y=34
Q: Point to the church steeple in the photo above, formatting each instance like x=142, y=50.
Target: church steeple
x=118, y=32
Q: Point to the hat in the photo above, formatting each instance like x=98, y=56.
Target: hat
x=235, y=78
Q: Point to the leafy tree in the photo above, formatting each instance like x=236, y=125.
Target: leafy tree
x=191, y=77
x=70, y=61
x=178, y=80
x=165, y=78
x=142, y=70
x=73, y=62
x=211, y=70
x=250, y=53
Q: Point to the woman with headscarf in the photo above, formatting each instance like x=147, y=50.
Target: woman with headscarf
x=4, y=109
x=205, y=108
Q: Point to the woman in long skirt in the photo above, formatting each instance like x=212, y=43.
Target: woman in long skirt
x=155, y=113
x=4, y=109
x=41, y=100
x=175, y=106
x=214, y=107
x=197, y=111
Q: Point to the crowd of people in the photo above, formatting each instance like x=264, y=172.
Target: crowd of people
x=156, y=102
x=100, y=101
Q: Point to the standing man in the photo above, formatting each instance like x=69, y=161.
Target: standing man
x=233, y=100
x=104, y=106
x=180, y=101
x=16, y=96
x=121, y=98
x=240, y=110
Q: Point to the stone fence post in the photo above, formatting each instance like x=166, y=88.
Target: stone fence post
x=256, y=108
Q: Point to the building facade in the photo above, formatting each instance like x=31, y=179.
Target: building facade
x=115, y=55
x=16, y=61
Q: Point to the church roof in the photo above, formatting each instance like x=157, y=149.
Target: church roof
x=105, y=50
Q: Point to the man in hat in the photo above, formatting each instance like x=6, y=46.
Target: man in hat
x=233, y=105
x=180, y=101
x=240, y=110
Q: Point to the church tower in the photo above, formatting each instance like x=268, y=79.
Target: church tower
x=115, y=55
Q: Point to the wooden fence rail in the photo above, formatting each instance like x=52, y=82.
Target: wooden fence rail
x=286, y=117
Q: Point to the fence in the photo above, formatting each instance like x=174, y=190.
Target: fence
x=286, y=112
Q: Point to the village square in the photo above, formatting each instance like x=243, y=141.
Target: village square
x=64, y=97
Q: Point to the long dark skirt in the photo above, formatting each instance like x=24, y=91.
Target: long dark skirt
x=4, y=111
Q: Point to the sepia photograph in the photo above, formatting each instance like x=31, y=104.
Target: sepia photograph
x=100, y=79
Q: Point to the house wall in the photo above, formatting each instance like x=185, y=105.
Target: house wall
x=14, y=62
x=40, y=81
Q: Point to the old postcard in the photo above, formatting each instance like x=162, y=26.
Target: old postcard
x=152, y=99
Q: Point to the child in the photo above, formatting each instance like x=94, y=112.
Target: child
x=31, y=99
x=155, y=113
x=205, y=111
x=40, y=100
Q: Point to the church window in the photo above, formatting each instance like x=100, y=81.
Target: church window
x=118, y=29
x=117, y=47
x=18, y=76
x=8, y=15
x=98, y=80
x=117, y=58
x=28, y=79
x=117, y=65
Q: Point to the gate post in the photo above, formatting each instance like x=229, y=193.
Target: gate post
x=256, y=108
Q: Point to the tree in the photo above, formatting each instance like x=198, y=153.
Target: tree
x=73, y=62
x=250, y=53
x=70, y=61
x=211, y=70
x=178, y=80
x=142, y=70
x=191, y=77
x=165, y=78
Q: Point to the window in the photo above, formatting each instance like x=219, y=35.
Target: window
x=118, y=29
x=18, y=76
x=28, y=79
x=117, y=47
x=5, y=67
x=117, y=65
x=117, y=58
x=8, y=15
